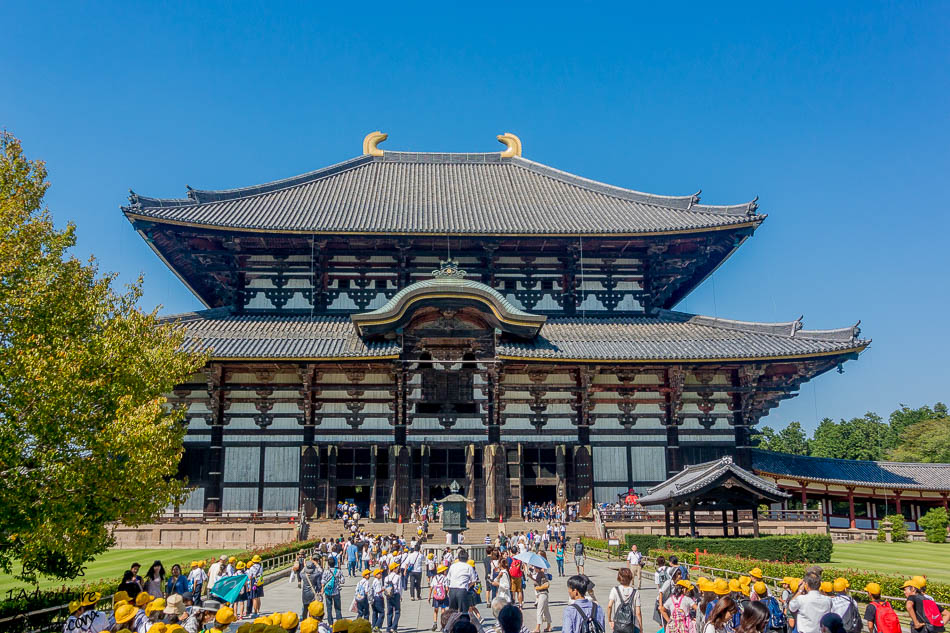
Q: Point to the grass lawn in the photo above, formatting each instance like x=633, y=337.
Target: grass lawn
x=908, y=559
x=111, y=564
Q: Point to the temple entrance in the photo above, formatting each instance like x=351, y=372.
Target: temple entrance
x=360, y=495
x=540, y=494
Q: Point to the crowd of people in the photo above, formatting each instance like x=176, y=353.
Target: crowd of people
x=550, y=512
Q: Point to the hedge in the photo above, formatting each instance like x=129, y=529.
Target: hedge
x=805, y=548
x=35, y=601
x=898, y=529
x=890, y=583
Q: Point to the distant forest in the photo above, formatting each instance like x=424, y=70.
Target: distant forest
x=908, y=435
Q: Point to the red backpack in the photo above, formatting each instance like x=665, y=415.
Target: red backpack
x=932, y=612
x=885, y=619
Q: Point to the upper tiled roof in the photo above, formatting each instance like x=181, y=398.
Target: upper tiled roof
x=852, y=471
x=669, y=336
x=694, y=478
x=423, y=193
x=297, y=337
x=676, y=335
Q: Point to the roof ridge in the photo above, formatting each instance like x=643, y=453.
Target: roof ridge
x=855, y=461
x=794, y=328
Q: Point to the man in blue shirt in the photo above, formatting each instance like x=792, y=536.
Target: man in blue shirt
x=573, y=616
x=351, y=551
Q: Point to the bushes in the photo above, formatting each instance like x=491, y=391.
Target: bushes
x=935, y=525
x=898, y=531
x=890, y=583
x=807, y=548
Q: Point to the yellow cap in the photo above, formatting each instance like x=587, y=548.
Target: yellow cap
x=911, y=583
x=225, y=616
x=240, y=565
x=231, y=559
x=786, y=580
x=441, y=568
x=194, y=563
x=201, y=563
x=393, y=566
x=755, y=572
x=471, y=562
x=174, y=628
x=265, y=620
x=158, y=627
x=793, y=583
x=116, y=605
x=158, y=604
x=365, y=573
x=315, y=609
x=341, y=625
x=275, y=618
x=377, y=572
x=873, y=587
x=720, y=587
x=89, y=598
x=255, y=558
x=685, y=583
x=143, y=599
x=124, y=630
x=360, y=625
x=921, y=581
x=308, y=625
x=73, y=606
x=703, y=584
x=826, y=586
x=288, y=621
x=760, y=589
x=734, y=585
x=841, y=584
x=429, y=556
x=125, y=613
x=119, y=596
x=745, y=580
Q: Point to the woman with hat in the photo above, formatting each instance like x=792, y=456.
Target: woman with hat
x=174, y=609
x=132, y=618
x=678, y=609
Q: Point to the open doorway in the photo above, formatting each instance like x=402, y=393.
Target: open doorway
x=540, y=494
x=360, y=495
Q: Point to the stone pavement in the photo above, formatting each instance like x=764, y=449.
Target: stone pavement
x=281, y=595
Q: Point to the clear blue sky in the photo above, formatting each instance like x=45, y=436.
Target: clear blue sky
x=835, y=114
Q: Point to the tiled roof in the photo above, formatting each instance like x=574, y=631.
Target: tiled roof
x=852, y=471
x=266, y=336
x=694, y=478
x=675, y=335
x=669, y=336
x=420, y=193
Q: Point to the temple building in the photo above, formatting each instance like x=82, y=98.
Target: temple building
x=382, y=327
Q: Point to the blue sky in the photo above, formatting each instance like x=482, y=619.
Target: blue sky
x=834, y=114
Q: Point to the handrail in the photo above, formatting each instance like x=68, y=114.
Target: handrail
x=640, y=514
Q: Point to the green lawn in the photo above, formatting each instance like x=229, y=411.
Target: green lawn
x=112, y=563
x=908, y=559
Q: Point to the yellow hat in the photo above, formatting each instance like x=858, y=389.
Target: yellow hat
x=120, y=596
x=471, y=562
x=734, y=586
x=341, y=625
x=685, y=583
x=116, y=605
x=125, y=630
x=720, y=587
x=441, y=568
x=174, y=628
x=786, y=580
x=308, y=625
x=225, y=616
x=360, y=625
x=911, y=583
x=125, y=613
x=158, y=627
x=419, y=531
x=429, y=556
x=231, y=559
x=143, y=599
x=265, y=620
x=745, y=580
x=744, y=589
x=793, y=583
x=316, y=609
x=158, y=604
x=873, y=587
x=73, y=606
x=841, y=584
x=393, y=566
x=703, y=584
x=90, y=598
x=275, y=618
x=240, y=565
x=826, y=586
x=201, y=563
x=255, y=558
x=365, y=573
x=377, y=572
x=921, y=581
x=755, y=572
x=288, y=621
x=760, y=589
x=194, y=563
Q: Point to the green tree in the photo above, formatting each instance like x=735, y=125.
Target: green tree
x=905, y=416
x=790, y=439
x=926, y=441
x=867, y=437
x=86, y=435
x=935, y=525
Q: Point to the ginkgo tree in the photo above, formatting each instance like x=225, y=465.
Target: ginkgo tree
x=87, y=438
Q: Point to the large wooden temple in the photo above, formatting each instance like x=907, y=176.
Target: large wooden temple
x=389, y=324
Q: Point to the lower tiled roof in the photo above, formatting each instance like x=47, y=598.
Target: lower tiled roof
x=897, y=475
x=694, y=478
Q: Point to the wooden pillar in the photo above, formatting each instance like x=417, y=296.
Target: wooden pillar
x=495, y=465
x=470, y=479
x=560, y=454
x=309, y=476
x=897, y=501
x=584, y=479
x=735, y=522
x=804, y=496
x=755, y=521
x=374, y=488
x=692, y=521
x=943, y=496
x=666, y=512
x=332, y=452
x=675, y=380
x=400, y=473
x=425, y=457
x=725, y=524
x=676, y=522
x=214, y=375
x=851, y=520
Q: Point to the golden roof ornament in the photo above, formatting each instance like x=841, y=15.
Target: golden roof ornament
x=512, y=142
x=371, y=142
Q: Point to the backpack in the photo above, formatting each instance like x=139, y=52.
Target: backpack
x=931, y=613
x=438, y=591
x=777, y=620
x=330, y=585
x=852, y=620
x=589, y=623
x=885, y=619
x=624, y=619
x=684, y=572
x=679, y=622
x=389, y=589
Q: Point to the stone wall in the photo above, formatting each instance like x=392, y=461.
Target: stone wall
x=187, y=535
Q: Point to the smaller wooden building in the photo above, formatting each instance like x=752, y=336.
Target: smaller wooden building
x=719, y=486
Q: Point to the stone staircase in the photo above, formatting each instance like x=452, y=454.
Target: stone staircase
x=477, y=530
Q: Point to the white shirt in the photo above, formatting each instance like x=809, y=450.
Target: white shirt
x=634, y=558
x=395, y=580
x=214, y=572
x=461, y=575
x=809, y=609
x=623, y=596
x=686, y=604
x=840, y=603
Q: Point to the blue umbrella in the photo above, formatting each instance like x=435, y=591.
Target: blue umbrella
x=229, y=587
x=535, y=560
